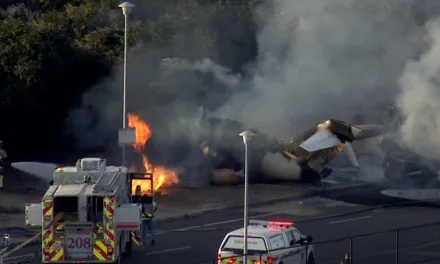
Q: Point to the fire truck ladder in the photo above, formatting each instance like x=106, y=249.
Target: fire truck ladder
x=106, y=181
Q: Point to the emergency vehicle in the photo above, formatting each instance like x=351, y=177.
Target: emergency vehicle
x=269, y=242
x=98, y=214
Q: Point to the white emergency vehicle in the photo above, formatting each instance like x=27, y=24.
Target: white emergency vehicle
x=99, y=213
x=269, y=242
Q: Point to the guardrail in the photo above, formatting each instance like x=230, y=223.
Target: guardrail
x=410, y=245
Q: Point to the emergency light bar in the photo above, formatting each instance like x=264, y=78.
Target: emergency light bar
x=278, y=224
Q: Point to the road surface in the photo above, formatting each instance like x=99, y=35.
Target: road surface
x=191, y=243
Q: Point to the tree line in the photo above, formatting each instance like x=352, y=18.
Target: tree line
x=52, y=51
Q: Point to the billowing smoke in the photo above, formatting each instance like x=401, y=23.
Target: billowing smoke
x=419, y=101
x=316, y=59
x=321, y=59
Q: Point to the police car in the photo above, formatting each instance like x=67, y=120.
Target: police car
x=269, y=242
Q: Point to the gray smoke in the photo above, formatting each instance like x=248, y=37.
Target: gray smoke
x=321, y=59
x=419, y=100
x=317, y=59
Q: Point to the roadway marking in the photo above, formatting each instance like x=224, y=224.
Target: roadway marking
x=167, y=250
x=350, y=220
x=224, y=222
x=252, y=217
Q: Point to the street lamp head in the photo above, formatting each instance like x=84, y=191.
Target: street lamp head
x=247, y=136
x=126, y=8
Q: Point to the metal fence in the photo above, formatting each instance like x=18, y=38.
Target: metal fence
x=411, y=245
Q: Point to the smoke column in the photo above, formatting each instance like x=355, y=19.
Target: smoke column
x=322, y=59
x=316, y=59
x=419, y=100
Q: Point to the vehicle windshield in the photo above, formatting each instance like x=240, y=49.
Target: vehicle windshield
x=235, y=244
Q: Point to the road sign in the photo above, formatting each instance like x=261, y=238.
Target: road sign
x=127, y=136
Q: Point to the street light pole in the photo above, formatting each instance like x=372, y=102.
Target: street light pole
x=126, y=10
x=247, y=136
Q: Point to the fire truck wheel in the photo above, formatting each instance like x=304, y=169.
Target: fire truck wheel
x=128, y=248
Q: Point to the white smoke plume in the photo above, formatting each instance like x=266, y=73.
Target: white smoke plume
x=419, y=100
x=322, y=59
x=316, y=60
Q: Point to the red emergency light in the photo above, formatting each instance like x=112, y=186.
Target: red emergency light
x=281, y=223
x=278, y=225
x=272, y=259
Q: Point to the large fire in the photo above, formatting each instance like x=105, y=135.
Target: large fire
x=162, y=176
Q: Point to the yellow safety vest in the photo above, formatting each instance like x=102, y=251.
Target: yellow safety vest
x=1, y=181
x=149, y=215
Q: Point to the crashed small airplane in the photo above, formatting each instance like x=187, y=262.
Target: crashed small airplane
x=302, y=158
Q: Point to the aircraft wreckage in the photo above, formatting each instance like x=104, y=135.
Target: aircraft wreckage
x=301, y=158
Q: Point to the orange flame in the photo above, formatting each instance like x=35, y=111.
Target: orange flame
x=162, y=176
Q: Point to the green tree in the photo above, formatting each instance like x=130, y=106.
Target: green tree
x=54, y=50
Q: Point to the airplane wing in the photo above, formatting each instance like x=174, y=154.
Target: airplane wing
x=322, y=139
x=334, y=132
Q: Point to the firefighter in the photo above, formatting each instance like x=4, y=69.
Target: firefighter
x=149, y=207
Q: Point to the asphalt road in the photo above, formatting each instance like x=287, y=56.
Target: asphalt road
x=196, y=240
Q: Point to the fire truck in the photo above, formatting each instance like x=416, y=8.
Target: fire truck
x=88, y=214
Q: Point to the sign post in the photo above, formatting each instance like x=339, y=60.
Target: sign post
x=126, y=137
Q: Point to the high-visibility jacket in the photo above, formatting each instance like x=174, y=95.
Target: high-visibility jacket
x=1, y=181
x=148, y=210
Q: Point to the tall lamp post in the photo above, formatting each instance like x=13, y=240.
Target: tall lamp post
x=126, y=10
x=247, y=136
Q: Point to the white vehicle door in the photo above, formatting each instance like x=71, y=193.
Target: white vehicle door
x=302, y=254
x=128, y=217
x=33, y=214
x=278, y=247
x=296, y=251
